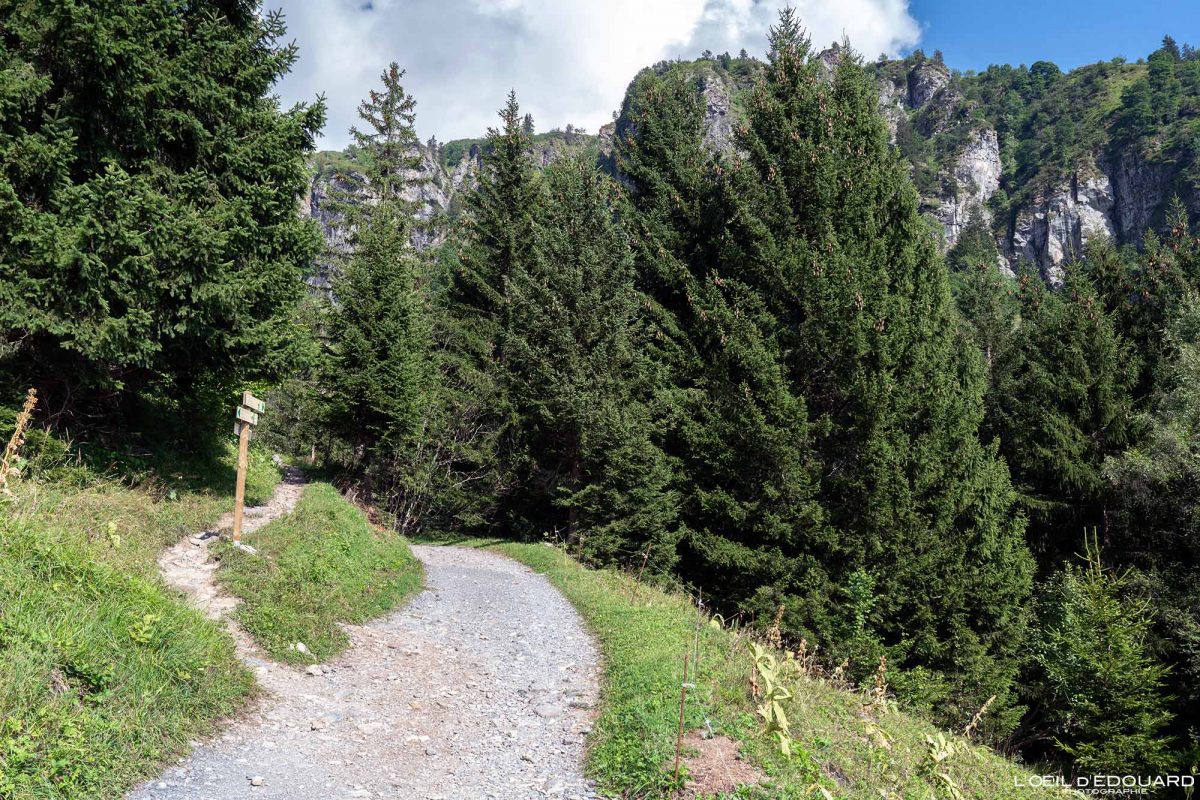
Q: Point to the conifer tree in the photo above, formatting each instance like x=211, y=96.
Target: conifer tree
x=825, y=378
x=148, y=189
x=1140, y=292
x=1102, y=689
x=873, y=345
x=1063, y=405
x=496, y=241
x=499, y=232
x=378, y=376
x=738, y=433
x=579, y=380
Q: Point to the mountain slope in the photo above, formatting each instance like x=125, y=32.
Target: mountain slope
x=1050, y=160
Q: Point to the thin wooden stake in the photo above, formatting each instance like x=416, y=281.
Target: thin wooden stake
x=239, y=496
x=637, y=584
x=682, y=700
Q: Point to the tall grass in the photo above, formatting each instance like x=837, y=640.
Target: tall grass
x=846, y=744
x=322, y=565
x=105, y=673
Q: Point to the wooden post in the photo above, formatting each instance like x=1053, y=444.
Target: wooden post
x=239, y=496
x=683, y=687
x=246, y=417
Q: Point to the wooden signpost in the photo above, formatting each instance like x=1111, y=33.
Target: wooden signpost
x=246, y=417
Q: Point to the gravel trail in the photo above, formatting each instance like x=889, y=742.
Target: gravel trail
x=480, y=689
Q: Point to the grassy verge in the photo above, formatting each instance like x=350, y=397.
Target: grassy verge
x=841, y=747
x=319, y=566
x=104, y=673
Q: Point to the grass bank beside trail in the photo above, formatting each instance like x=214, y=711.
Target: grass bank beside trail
x=104, y=673
x=321, y=565
x=840, y=747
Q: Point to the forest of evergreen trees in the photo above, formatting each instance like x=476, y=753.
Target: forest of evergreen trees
x=751, y=372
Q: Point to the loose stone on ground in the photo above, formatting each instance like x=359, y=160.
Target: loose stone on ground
x=480, y=689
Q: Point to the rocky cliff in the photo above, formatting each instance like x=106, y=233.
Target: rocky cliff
x=446, y=171
x=972, y=155
x=1044, y=214
x=1056, y=177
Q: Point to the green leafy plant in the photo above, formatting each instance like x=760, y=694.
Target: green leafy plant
x=940, y=751
x=772, y=693
x=144, y=631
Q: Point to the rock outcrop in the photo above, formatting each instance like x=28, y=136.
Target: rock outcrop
x=976, y=177
x=1141, y=188
x=1057, y=225
x=433, y=188
x=925, y=80
x=718, y=112
x=1119, y=196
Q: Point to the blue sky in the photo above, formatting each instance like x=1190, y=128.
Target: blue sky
x=570, y=60
x=973, y=35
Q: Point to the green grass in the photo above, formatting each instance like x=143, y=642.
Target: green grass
x=322, y=565
x=104, y=673
x=644, y=633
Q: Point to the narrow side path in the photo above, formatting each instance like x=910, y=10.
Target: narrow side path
x=480, y=688
x=187, y=567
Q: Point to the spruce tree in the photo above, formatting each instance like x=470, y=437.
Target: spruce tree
x=737, y=432
x=828, y=400
x=148, y=195
x=579, y=380
x=378, y=376
x=1063, y=403
x=499, y=224
x=1101, y=689
x=495, y=241
x=1140, y=292
x=873, y=345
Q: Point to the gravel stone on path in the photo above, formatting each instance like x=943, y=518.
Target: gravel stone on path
x=479, y=689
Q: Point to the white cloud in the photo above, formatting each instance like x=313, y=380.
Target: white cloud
x=568, y=60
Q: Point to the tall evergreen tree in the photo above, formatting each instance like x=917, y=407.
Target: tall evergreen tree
x=148, y=188
x=830, y=386
x=496, y=241
x=378, y=375
x=579, y=380
x=499, y=225
x=1063, y=403
x=872, y=343
x=738, y=432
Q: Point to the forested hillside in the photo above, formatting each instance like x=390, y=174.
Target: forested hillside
x=901, y=360
x=904, y=474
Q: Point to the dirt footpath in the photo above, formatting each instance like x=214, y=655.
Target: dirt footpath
x=482, y=687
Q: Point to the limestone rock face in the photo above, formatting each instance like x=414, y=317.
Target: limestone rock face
x=1141, y=188
x=718, y=113
x=1057, y=225
x=924, y=81
x=893, y=104
x=436, y=188
x=433, y=189
x=1118, y=194
x=977, y=176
